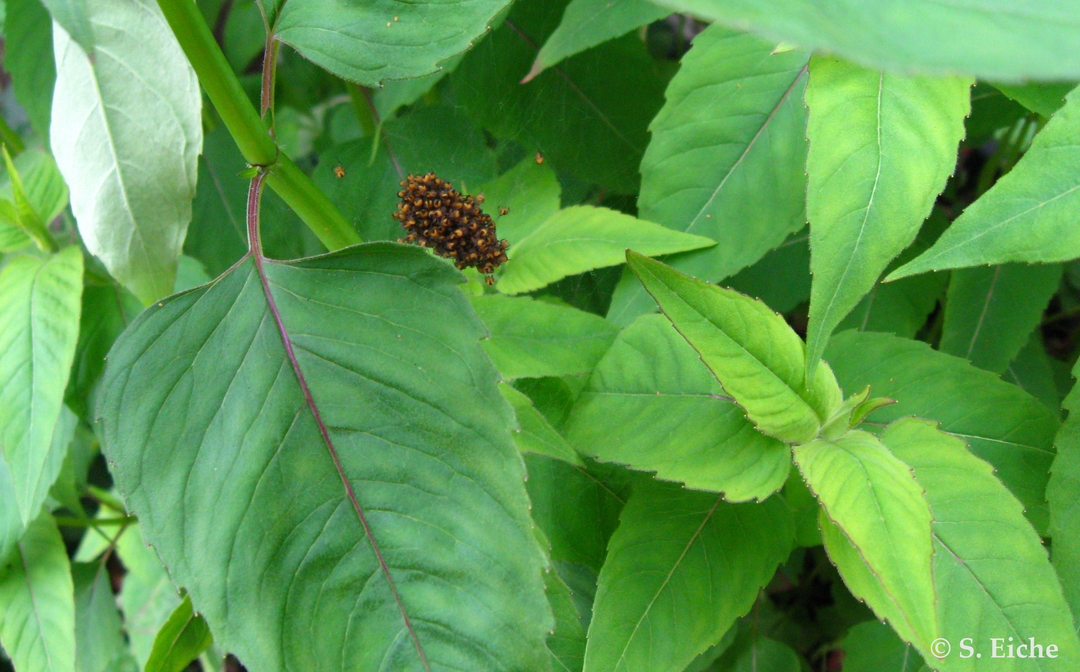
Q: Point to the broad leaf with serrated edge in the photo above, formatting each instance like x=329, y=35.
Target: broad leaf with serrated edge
x=751, y=350
x=367, y=42
x=1003, y=425
x=39, y=308
x=37, y=601
x=726, y=159
x=652, y=405
x=989, y=312
x=681, y=567
x=881, y=148
x=582, y=238
x=1028, y=215
x=532, y=339
x=992, y=39
x=329, y=433
x=126, y=132
x=993, y=576
x=1063, y=495
x=879, y=507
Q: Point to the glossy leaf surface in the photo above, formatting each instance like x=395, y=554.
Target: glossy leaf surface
x=330, y=435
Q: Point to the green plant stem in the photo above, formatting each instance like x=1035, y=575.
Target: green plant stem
x=221, y=84
x=308, y=201
x=248, y=129
x=11, y=138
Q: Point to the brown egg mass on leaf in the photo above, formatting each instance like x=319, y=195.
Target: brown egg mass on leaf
x=437, y=216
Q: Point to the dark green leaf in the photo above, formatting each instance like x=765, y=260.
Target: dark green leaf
x=1063, y=493
x=1046, y=98
x=27, y=56
x=353, y=387
x=181, y=640
x=1033, y=373
x=873, y=647
x=535, y=434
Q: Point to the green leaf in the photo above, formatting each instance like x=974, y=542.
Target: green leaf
x=397, y=93
x=587, y=23
x=750, y=349
x=993, y=575
x=26, y=216
x=1002, y=424
x=1032, y=372
x=37, y=604
x=437, y=139
x=681, y=567
x=582, y=238
x=873, y=647
x=120, y=106
x=990, y=312
x=781, y=278
x=39, y=308
x=532, y=339
x=181, y=640
x=351, y=386
x=35, y=195
x=74, y=17
x=1028, y=215
x=367, y=42
x=530, y=191
x=567, y=644
x=881, y=148
x=875, y=501
x=756, y=654
x=652, y=405
x=603, y=112
x=28, y=40
x=99, y=637
x=991, y=39
x=1045, y=98
x=1063, y=493
x=536, y=435
x=726, y=158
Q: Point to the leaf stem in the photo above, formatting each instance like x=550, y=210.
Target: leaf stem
x=247, y=128
x=11, y=138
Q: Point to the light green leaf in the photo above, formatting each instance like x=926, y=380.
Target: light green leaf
x=681, y=567
x=535, y=434
x=530, y=191
x=351, y=386
x=876, y=504
x=147, y=596
x=437, y=139
x=872, y=646
x=28, y=38
x=991, y=39
x=122, y=105
x=652, y=405
x=367, y=42
x=181, y=640
x=603, y=112
x=587, y=23
x=751, y=350
x=726, y=159
x=39, y=308
x=74, y=17
x=37, y=603
x=35, y=197
x=1002, y=424
x=881, y=148
x=1063, y=493
x=1046, y=98
x=26, y=216
x=994, y=578
x=98, y=635
x=582, y=238
x=990, y=312
x=532, y=339
x=1028, y=215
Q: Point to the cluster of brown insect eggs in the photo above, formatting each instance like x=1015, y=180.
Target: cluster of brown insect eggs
x=437, y=216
